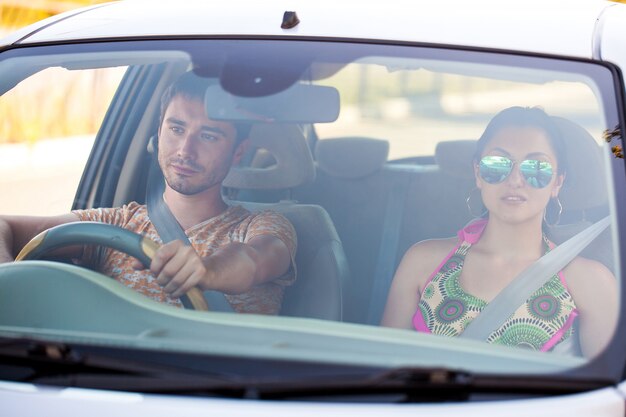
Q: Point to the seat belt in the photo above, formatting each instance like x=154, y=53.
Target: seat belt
x=169, y=229
x=387, y=252
x=530, y=280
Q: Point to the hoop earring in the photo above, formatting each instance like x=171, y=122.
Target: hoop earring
x=468, y=202
x=557, y=212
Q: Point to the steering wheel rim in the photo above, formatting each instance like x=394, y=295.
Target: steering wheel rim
x=114, y=237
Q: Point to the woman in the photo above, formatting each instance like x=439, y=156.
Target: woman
x=442, y=285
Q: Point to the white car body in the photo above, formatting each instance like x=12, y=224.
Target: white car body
x=585, y=29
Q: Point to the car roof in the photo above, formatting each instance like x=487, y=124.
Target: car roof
x=560, y=27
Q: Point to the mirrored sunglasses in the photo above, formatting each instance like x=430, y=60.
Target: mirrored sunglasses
x=495, y=169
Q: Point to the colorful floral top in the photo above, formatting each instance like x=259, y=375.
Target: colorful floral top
x=541, y=323
x=234, y=225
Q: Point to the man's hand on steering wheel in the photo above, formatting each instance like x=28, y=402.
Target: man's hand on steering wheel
x=178, y=268
x=141, y=248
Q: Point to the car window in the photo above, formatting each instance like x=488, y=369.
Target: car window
x=50, y=122
x=382, y=160
x=399, y=105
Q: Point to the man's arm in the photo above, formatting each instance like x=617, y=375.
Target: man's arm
x=233, y=269
x=17, y=231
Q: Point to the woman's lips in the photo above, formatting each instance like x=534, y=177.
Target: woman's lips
x=513, y=199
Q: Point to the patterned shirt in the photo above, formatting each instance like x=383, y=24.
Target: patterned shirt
x=445, y=308
x=236, y=224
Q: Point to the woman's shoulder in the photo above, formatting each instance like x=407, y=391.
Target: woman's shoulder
x=419, y=262
x=581, y=268
x=595, y=292
x=430, y=252
x=586, y=276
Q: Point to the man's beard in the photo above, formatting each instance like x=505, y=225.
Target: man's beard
x=182, y=185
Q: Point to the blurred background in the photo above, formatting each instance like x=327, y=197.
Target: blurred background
x=26, y=119
x=15, y=14
x=49, y=121
x=46, y=135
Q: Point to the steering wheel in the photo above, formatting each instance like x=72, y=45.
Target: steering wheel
x=81, y=233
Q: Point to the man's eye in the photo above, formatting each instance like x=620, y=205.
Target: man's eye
x=177, y=130
x=209, y=137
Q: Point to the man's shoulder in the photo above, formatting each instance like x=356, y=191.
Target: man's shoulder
x=268, y=216
x=132, y=212
x=110, y=214
x=266, y=221
x=135, y=207
x=242, y=213
x=238, y=220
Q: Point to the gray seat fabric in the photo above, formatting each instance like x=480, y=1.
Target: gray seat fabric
x=436, y=206
x=584, y=194
x=337, y=157
x=352, y=184
x=322, y=272
x=585, y=185
x=292, y=162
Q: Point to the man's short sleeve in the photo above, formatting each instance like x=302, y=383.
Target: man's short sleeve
x=118, y=216
x=273, y=223
x=93, y=256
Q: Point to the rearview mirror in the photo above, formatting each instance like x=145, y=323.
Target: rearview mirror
x=300, y=103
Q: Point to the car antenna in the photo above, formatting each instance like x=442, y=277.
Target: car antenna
x=290, y=20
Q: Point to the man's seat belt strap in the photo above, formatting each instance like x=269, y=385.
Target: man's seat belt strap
x=169, y=229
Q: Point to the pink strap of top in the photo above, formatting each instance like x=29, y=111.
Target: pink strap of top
x=472, y=231
x=471, y=234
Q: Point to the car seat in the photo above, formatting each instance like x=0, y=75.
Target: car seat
x=322, y=271
x=379, y=209
x=584, y=194
x=351, y=185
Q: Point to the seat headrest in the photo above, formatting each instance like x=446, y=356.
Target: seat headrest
x=292, y=160
x=351, y=157
x=585, y=185
x=454, y=157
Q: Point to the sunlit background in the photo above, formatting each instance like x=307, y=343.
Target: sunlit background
x=48, y=124
x=37, y=138
x=23, y=121
x=15, y=14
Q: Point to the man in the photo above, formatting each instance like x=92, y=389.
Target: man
x=249, y=257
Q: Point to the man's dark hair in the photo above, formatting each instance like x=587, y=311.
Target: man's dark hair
x=194, y=87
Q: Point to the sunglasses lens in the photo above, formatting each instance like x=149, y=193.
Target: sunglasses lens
x=494, y=169
x=538, y=174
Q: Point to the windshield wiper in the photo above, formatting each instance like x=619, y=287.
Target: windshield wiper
x=87, y=367
x=44, y=362
x=396, y=385
x=52, y=363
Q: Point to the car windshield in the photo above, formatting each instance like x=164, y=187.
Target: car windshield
x=420, y=183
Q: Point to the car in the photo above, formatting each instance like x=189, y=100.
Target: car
x=368, y=124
